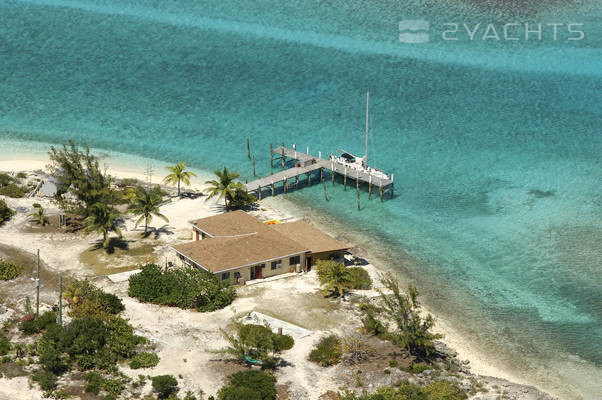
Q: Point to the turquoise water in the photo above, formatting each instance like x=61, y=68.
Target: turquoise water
x=495, y=145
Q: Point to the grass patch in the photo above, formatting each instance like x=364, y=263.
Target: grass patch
x=121, y=259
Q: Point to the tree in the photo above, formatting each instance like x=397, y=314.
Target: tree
x=146, y=205
x=102, y=219
x=411, y=330
x=40, y=215
x=224, y=186
x=334, y=276
x=178, y=175
x=164, y=385
x=79, y=172
x=256, y=342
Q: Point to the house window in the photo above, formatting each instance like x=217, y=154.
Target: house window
x=225, y=275
x=236, y=275
x=295, y=260
x=277, y=264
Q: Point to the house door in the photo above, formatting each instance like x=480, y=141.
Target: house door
x=308, y=259
x=256, y=272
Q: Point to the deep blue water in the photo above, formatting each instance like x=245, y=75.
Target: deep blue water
x=495, y=145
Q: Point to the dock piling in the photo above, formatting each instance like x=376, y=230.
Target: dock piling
x=271, y=156
x=308, y=178
x=284, y=182
x=254, y=165
x=297, y=182
x=325, y=195
x=248, y=149
x=259, y=193
x=272, y=188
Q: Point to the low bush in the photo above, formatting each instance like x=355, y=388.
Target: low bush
x=46, y=380
x=185, y=288
x=437, y=390
x=13, y=190
x=85, y=299
x=249, y=385
x=93, y=382
x=144, y=360
x=5, y=212
x=113, y=386
x=36, y=325
x=9, y=270
x=327, y=352
x=165, y=385
x=5, y=345
x=360, y=278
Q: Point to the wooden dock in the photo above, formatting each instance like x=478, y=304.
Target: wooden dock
x=306, y=164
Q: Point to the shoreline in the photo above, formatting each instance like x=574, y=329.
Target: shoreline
x=478, y=361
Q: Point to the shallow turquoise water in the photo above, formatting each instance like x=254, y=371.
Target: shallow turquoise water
x=495, y=146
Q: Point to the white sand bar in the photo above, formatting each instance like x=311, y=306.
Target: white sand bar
x=287, y=328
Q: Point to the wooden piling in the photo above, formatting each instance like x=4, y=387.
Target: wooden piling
x=381, y=192
x=248, y=149
x=345, y=179
x=283, y=158
x=254, y=166
x=332, y=176
x=358, y=198
x=325, y=195
x=259, y=193
x=272, y=188
x=321, y=174
x=271, y=156
x=285, y=185
x=308, y=178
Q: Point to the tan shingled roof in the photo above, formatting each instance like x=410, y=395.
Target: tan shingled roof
x=223, y=253
x=309, y=236
x=230, y=223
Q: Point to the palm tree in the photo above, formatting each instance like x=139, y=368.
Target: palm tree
x=178, y=175
x=146, y=204
x=224, y=187
x=336, y=278
x=40, y=215
x=102, y=219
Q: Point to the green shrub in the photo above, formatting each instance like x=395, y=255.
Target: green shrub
x=249, y=385
x=93, y=382
x=21, y=175
x=327, y=352
x=283, y=342
x=360, y=278
x=36, y=325
x=85, y=299
x=113, y=386
x=5, y=345
x=164, y=385
x=46, y=380
x=13, y=190
x=5, y=212
x=418, y=368
x=5, y=179
x=185, y=288
x=444, y=390
x=9, y=270
x=144, y=360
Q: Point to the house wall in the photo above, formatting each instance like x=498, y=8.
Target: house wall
x=245, y=272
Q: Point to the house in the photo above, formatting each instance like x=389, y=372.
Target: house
x=239, y=247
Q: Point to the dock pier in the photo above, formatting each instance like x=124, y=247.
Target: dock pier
x=306, y=164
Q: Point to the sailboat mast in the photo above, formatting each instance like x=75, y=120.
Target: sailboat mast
x=367, y=114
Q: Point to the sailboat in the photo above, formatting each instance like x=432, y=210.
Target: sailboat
x=353, y=162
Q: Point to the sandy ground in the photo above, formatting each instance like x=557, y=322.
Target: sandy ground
x=185, y=338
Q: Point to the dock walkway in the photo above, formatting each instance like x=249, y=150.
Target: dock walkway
x=306, y=164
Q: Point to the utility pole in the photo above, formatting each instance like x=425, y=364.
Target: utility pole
x=38, y=287
x=60, y=300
